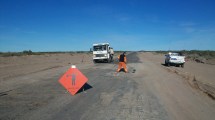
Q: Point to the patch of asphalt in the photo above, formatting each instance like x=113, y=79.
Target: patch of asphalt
x=121, y=98
x=131, y=58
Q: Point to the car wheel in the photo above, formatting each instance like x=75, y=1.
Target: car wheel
x=182, y=65
x=94, y=61
x=168, y=64
x=165, y=63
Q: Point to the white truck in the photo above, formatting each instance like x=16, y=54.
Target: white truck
x=102, y=52
x=174, y=59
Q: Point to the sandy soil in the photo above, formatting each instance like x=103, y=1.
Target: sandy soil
x=29, y=89
x=198, y=75
x=174, y=86
x=21, y=65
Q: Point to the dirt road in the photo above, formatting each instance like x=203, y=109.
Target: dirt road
x=148, y=92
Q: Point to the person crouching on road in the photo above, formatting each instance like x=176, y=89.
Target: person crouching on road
x=122, y=62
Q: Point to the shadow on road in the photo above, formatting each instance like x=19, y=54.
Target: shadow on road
x=170, y=65
x=163, y=64
x=85, y=87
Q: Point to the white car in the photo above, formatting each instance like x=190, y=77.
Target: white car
x=174, y=59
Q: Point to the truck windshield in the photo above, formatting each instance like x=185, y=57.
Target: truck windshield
x=99, y=48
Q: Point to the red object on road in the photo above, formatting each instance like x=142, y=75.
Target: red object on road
x=73, y=80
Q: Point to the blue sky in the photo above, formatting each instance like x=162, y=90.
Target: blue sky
x=73, y=25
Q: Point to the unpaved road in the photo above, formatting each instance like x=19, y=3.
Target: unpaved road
x=153, y=92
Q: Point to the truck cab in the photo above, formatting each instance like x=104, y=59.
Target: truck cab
x=102, y=52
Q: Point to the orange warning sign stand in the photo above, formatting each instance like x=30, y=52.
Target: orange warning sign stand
x=73, y=80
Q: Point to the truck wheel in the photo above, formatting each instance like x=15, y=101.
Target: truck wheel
x=111, y=59
x=108, y=60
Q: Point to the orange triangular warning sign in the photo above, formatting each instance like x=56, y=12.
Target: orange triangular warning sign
x=73, y=80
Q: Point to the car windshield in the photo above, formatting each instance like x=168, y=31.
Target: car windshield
x=99, y=48
x=174, y=54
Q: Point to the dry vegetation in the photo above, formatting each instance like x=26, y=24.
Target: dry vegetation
x=29, y=52
x=206, y=56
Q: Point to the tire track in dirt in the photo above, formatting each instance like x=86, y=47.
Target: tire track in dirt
x=194, y=82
